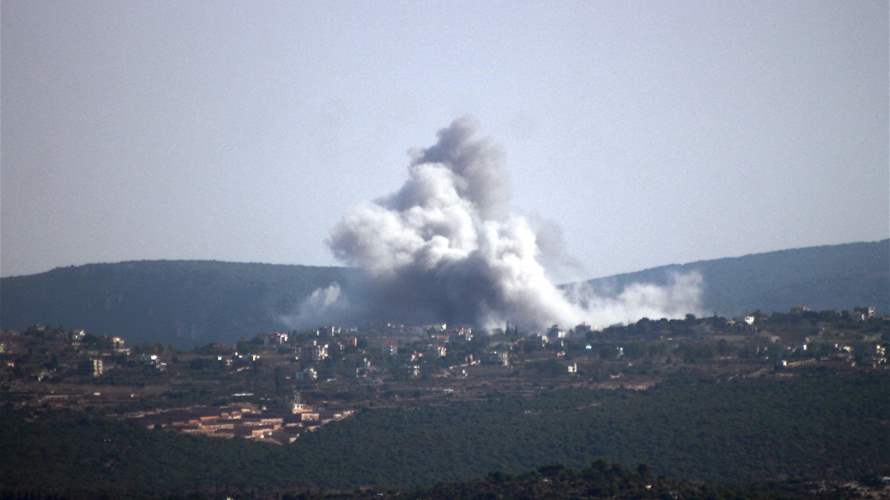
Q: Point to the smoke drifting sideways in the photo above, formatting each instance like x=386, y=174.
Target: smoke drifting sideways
x=446, y=248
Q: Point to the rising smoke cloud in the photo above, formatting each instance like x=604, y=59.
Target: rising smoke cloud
x=445, y=247
x=322, y=305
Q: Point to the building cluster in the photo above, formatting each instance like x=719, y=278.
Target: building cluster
x=246, y=390
x=242, y=420
x=54, y=354
x=443, y=350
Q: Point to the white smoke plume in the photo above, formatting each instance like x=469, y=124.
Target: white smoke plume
x=445, y=247
x=682, y=295
x=321, y=305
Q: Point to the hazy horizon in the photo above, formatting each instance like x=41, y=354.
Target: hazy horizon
x=650, y=134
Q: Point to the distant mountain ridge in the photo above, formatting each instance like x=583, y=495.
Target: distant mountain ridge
x=822, y=277
x=195, y=302
x=169, y=301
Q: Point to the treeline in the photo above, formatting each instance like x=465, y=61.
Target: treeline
x=819, y=426
x=604, y=480
x=822, y=425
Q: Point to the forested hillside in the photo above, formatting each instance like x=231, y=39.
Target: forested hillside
x=824, y=277
x=195, y=302
x=180, y=302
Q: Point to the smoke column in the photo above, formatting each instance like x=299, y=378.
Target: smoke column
x=445, y=247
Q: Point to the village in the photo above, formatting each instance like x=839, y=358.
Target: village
x=279, y=385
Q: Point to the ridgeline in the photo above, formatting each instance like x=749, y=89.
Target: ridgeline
x=188, y=303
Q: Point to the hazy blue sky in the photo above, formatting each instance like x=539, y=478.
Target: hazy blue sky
x=652, y=132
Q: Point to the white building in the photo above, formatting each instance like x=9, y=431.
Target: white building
x=504, y=358
x=97, y=366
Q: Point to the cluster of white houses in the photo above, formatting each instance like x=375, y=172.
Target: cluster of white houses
x=243, y=420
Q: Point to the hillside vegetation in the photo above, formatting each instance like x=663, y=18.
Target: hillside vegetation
x=185, y=303
x=809, y=427
x=823, y=277
x=189, y=303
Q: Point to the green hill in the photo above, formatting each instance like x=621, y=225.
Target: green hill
x=179, y=302
x=196, y=302
x=823, y=277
